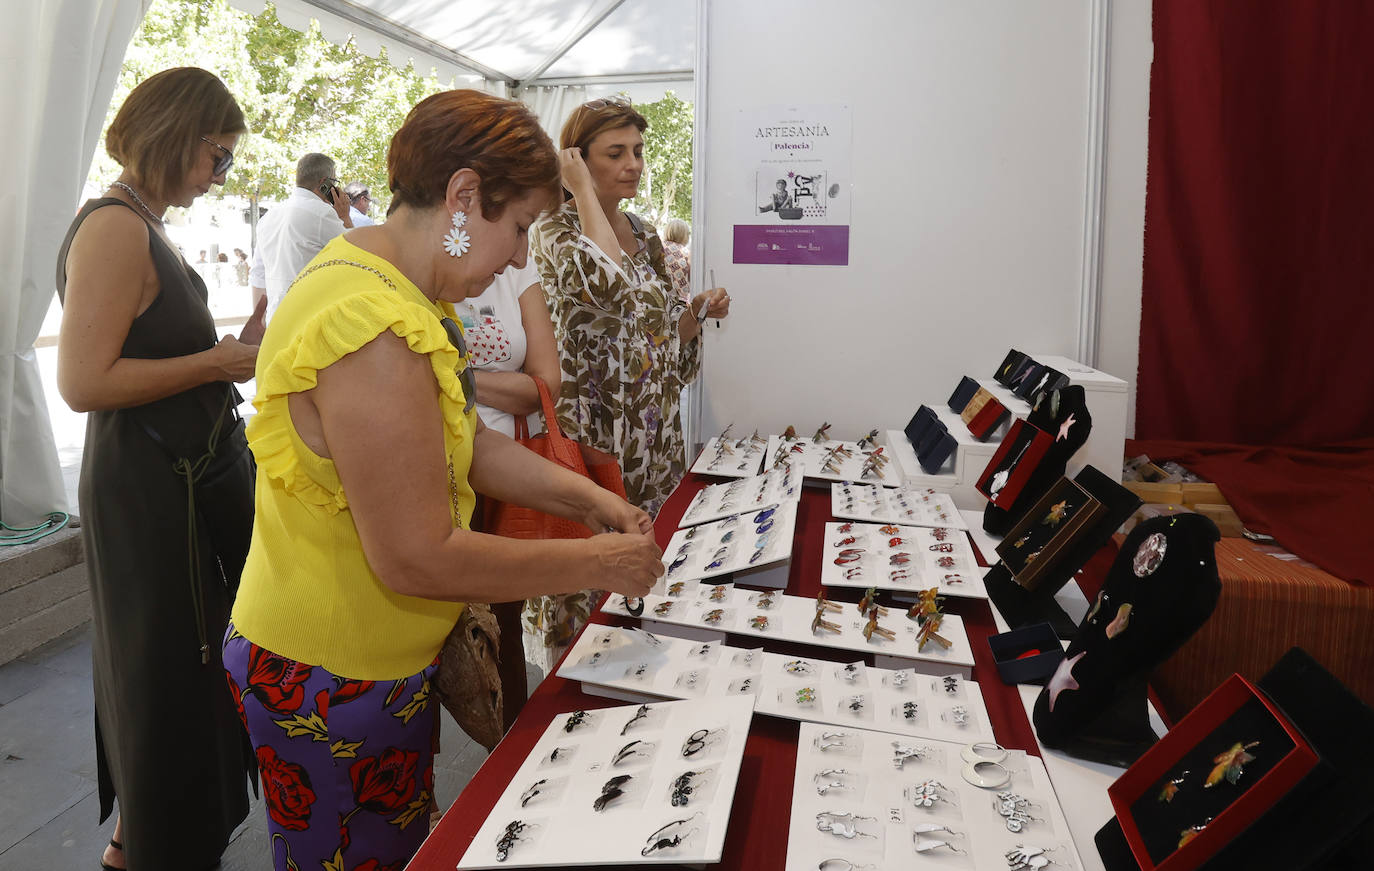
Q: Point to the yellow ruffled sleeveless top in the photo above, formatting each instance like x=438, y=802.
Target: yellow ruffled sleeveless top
x=307, y=590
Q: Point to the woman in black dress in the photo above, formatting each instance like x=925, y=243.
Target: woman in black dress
x=166, y=487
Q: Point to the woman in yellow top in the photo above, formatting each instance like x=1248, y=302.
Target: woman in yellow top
x=369, y=452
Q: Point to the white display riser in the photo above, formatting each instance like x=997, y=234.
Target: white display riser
x=1106, y=398
x=969, y=459
x=632, y=671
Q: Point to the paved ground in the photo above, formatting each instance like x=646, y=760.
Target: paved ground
x=48, y=801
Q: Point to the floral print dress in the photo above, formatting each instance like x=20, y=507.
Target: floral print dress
x=624, y=367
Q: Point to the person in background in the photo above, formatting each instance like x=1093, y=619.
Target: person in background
x=677, y=257
x=295, y=231
x=370, y=455
x=241, y=267
x=359, y=203
x=627, y=343
x=622, y=375
x=165, y=453
x=510, y=337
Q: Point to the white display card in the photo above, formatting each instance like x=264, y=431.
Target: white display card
x=745, y=495
x=702, y=605
x=738, y=543
x=634, y=663
x=924, y=558
x=731, y=458
x=577, y=767
x=911, y=506
x=833, y=461
x=869, y=799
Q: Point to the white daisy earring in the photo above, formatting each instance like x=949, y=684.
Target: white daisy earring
x=457, y=242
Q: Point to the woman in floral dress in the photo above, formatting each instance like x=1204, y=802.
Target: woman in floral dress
x=627, y=343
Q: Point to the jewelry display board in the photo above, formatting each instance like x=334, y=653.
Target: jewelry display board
x=632, y=663
x=744, y=495
x=617, y=786
x=866, y=799
x=902, y=558
x=721, y=608
x=912, y=506
x=731, y=458
x=829, y=460
x=738, y=543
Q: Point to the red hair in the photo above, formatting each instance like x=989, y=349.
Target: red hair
x=500, y=140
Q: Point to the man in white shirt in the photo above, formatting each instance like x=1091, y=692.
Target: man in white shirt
x=290, y=235
x=360, y=199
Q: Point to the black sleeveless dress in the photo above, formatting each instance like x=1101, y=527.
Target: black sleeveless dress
x=164, y=560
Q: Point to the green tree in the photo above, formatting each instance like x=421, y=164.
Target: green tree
x=667, y=188
x=298, y=91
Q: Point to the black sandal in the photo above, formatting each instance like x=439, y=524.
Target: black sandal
x=118, y=846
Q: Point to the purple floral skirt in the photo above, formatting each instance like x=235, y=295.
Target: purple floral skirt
x=347, y=766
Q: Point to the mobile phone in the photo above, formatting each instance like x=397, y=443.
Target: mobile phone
x=327, y=191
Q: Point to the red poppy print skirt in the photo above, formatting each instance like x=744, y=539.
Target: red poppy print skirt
x=347, y=766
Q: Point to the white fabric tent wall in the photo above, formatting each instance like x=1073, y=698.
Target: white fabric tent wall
x=60, y=60
x=553, y=105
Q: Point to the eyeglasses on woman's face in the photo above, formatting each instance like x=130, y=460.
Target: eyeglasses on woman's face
x=224, y=160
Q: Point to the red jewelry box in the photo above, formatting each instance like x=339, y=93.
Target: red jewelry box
x=1161, y=760
x=1021, y=452
x=988, y=418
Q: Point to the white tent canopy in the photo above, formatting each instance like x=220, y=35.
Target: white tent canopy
x=528, y=42
x=61, y=58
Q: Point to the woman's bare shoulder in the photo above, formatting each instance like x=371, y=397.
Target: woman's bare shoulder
x=112, y=232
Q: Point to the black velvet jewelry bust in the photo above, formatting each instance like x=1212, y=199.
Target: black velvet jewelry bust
x=1062, y=413
x=1160, y=590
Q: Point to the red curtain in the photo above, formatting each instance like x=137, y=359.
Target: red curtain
x=1257, y=321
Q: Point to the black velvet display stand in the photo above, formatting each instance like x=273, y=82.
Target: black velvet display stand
x=1051, y=411
x=1022, y=607
x=1161, y=588
x=1326, y=821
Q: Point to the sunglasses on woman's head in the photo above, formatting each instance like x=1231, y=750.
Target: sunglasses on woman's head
x=223, y=161
x=608, y=101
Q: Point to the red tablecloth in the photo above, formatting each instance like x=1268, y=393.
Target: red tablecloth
x=757, y=837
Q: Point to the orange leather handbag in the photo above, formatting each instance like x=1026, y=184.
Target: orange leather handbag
x=516, y=521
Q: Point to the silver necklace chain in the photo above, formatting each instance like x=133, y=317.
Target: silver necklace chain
x=339, y=261
x=137, y=199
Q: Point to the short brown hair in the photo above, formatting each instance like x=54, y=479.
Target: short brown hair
x=156, y=133
x=595, y=117
x=500, y=140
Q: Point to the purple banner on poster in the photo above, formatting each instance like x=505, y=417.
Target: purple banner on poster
x=805, y=245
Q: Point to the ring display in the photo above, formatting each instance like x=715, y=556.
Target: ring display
x=901, y=559
x=796, y=619
x=830, y=460
x=924, y=815
x=643, y=795
x=909, y=506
